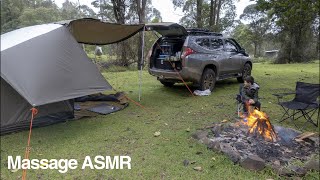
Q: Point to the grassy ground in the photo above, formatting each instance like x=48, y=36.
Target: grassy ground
x=130, y=132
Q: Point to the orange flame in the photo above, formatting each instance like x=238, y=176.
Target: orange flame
x=258, y=122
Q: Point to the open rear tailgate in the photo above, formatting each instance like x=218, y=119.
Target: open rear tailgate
x=167, y=29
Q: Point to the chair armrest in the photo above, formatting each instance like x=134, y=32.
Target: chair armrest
x=281, y=95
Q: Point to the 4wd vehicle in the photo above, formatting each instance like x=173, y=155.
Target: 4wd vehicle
x=198, y=56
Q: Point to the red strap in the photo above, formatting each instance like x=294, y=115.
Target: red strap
x=135, y=102
x=138, y=104
x=177, y=72
x=34, y=112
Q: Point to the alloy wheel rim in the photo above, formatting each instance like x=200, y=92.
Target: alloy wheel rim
x=246, y=72
x=208, y=81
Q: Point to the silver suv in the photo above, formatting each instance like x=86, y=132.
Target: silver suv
x=195, y=55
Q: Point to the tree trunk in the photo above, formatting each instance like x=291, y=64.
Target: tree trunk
x=295, y=46
x=102, y=19
x=255, y=49
x=285, y=50
x=217, y=24
x=211, y=14
x=297, y=49
x=199, y=13
x=318, y=43
x=119, y=9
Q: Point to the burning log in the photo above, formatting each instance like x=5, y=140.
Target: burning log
x=259, y=124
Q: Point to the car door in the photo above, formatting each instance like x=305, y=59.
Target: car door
x=208, y=49
x=217, y=54
x=233, y=56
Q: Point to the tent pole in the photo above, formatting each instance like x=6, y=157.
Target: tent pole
x=141, y=64
x=95, y=58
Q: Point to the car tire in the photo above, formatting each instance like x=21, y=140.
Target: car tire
x=246, y=72
x=208, y=80
x=167, y=84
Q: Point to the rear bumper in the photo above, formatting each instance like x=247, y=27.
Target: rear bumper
x=171, y=75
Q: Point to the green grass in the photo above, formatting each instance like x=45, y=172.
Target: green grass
x=173, y=110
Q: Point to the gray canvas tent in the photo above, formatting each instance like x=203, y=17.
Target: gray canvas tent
x=43, y=66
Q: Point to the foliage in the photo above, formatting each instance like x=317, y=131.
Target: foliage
x=244, y=37
x=218, y=16
x=10, y=13
x=39, y=15
x=128, y=11
x=17, y=14
x=295, y=20
x=258, y=25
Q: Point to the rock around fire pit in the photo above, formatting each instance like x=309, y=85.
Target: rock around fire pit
x=255, y=152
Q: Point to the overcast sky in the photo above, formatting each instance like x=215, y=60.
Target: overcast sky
x=168, y=13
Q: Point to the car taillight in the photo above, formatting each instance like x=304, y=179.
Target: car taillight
x=186, y=52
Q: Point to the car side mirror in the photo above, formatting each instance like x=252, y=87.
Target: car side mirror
x=243, y=51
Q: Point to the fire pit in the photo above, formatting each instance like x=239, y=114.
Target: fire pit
x=254, y=143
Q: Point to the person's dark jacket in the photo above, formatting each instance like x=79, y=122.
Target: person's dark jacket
x=251, y=92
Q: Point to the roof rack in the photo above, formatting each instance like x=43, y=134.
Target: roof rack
x=201, y=31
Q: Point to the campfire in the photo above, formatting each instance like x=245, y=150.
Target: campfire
x=260, y=125
x=254, y=143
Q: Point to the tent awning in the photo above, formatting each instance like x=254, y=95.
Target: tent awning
x=96, y=32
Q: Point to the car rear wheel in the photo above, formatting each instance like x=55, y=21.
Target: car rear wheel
x=246, y=72
x=167, y=84
x=208, y=80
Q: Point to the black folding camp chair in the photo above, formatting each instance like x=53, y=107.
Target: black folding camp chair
x=305, y=103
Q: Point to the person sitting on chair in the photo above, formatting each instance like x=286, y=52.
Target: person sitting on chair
x=249, y=94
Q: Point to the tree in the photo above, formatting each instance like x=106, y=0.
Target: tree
x=106, y=12
x=207, y=14
x=294, y=19
x=69, y=10
x=215, y=8
x=228, y=9
x=244, y=37
x=190, y=14
x=258, y=26
x=16, y=13
x=199, y=14
x=39, y=15
x=86, y=11
x=127, y=11
x=10, y=12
